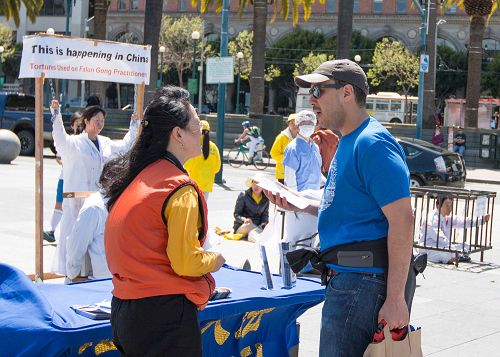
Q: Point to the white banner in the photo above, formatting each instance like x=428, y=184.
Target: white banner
x=85, y=59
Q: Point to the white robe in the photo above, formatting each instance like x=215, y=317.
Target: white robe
x=438, y=232
x=87, y=238
x=82, y=166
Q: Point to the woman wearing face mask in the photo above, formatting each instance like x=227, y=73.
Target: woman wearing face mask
x=302, y=164
x=83, y=157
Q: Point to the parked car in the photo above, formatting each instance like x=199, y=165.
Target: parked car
x=17, y=113
x=431, y=165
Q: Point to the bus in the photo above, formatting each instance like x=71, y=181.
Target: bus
x=392, y=107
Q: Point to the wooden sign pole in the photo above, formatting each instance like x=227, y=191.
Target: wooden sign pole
x=39, y=178
x=139, y=95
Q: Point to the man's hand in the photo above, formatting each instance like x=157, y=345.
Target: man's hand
x=54, y=104
x=247, y=221
x=134, y=117
x=236, y=141
x=395, y=313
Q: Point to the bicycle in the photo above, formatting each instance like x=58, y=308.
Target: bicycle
x=239, y=155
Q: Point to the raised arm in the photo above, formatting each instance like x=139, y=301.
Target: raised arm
x=122, y=146
x=62, y=141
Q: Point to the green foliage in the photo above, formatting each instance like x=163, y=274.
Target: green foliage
x=282, y=7
x=243, y=43
x=451, y=73
x=392, y=60
x=310, y=63
x=10, y=8
x=175, y=35
x=7, y=41
x=490, y=81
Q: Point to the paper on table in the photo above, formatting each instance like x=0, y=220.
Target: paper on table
x=275, y=187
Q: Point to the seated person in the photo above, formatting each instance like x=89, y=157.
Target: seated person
x=87, y=240
x=437, y=229
x=251, y=211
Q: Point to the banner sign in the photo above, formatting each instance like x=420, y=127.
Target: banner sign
x=84, y=59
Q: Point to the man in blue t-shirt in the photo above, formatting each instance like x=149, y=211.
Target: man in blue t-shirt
x=366, y=198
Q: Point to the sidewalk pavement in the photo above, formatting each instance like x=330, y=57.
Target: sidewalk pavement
x=490, y=176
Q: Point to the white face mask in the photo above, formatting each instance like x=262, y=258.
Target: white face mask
x=306, y=130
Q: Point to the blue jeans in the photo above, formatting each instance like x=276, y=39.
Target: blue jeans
x=350, y=314
x=459, y=148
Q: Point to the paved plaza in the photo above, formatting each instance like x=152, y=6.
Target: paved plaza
x=457, y=308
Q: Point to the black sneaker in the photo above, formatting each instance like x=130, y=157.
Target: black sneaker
x=464, y=259
x=49, y=236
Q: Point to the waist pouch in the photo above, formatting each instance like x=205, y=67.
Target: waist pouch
x=367, y=254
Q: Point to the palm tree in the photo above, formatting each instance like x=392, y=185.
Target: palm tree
x=152, y=28
x=344, y=28
x=258, y=54
x=478, y=10
x=257, y=88
x=100, y=13
x=11, y=9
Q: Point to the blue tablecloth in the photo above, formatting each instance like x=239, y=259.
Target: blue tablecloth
x=36, y=319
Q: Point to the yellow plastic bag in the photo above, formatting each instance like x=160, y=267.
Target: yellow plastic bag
x=233, y=236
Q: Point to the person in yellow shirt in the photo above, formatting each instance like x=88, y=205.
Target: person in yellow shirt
x=280, y=143
x=202, y=168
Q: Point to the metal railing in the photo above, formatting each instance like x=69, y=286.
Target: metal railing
x=468, y=228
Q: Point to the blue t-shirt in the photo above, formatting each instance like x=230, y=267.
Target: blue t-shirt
x=304, y=158
x=368, y=172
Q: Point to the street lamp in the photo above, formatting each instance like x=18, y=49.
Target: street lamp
x=440, y=22
x=1, y=70
x=357, y=58
x=50, y=31
x=192, y=87
x=239, y=55
x=195, y=36
x=160, y=81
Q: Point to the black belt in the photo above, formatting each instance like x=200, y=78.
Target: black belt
x=366, y=254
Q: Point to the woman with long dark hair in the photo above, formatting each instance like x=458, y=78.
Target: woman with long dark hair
x=154, y=234
x=202, y=169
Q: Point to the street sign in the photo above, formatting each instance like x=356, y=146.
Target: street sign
x=424, y=63
x=220, y=70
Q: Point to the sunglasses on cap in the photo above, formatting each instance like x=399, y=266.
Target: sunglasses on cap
x=315, y=91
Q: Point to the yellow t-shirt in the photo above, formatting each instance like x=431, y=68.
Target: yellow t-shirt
x=203, y=171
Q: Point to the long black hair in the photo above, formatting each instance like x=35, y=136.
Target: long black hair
x=168, y=109
x=205, y=148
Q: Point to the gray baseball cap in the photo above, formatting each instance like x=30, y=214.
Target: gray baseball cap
x=342, y=70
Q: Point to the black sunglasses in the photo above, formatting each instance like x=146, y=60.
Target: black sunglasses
x=316, y=90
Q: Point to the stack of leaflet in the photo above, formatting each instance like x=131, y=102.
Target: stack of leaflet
x=266, y=272
x=289, y=277
x=98, y=311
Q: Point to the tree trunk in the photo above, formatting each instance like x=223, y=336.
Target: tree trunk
x=428, y=119
x=476, y=30
x=100, y=28
x=152, y=27
x=344, y=29
x=256, y=79
x=179, y=75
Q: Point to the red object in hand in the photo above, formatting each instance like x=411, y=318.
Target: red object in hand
x=397, y=334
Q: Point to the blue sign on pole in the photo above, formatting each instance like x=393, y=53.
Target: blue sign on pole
x=424, y=63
